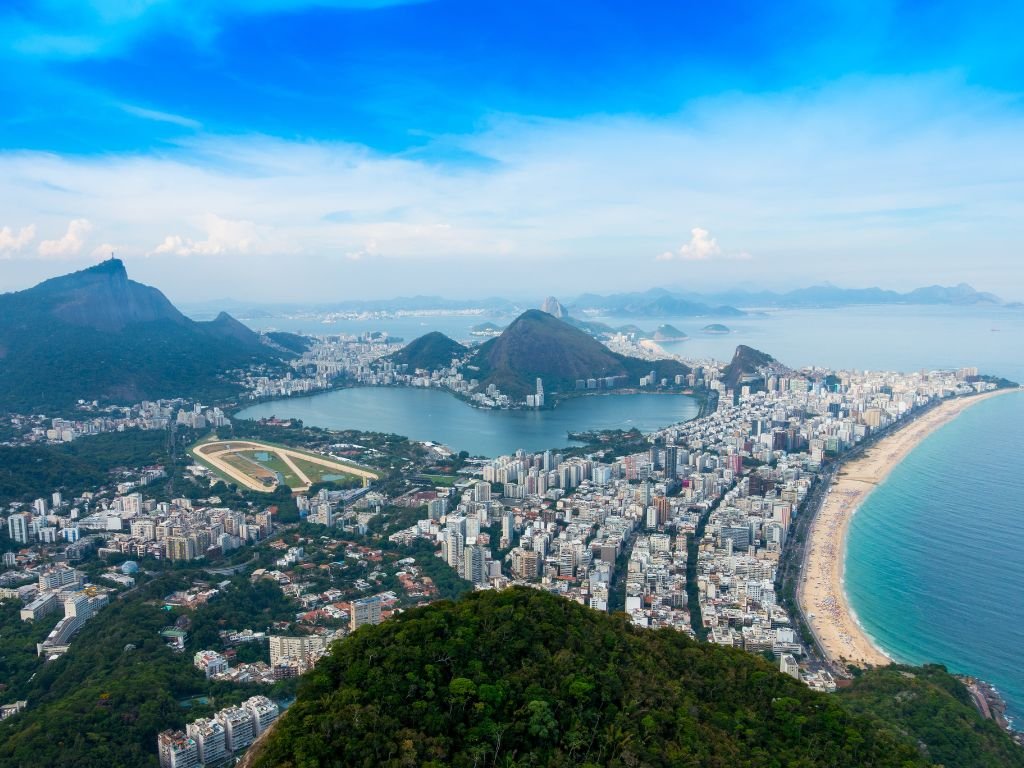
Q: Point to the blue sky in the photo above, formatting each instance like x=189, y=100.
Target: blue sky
x=280, y=150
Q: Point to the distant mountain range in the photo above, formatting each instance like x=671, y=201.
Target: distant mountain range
x=653, y=303
x=656, y=302
x=662, y=302
x=831, y=296
x=96, y=335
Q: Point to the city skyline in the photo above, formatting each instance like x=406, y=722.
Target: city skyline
x=383, y=147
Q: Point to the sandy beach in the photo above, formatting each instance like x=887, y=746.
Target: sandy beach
x=821, y=593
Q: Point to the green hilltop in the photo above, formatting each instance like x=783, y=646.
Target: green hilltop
x=429, y=352
x=525, y=678
x=668, y=332
x=745, y=362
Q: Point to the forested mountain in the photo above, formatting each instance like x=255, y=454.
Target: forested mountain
x=539, y=345
x=96, y=335
x=429, y=352
x=934, y=709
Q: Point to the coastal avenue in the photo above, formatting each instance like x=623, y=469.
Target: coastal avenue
x=219, y=454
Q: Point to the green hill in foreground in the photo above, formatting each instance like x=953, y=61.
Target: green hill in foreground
x=525, y=678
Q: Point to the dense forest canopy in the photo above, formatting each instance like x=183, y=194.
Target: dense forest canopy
x=525, y=678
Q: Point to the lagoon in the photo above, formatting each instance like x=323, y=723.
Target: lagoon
x=430, y=414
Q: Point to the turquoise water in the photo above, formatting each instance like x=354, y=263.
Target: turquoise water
x=424, y=414
x=935, y=556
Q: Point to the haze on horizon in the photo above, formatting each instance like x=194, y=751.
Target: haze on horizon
x=284, y=150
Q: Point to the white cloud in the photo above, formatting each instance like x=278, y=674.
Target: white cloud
x=68, y=245
x=369, y=249
x=223, y=236
x=11, y=241
x=702, y=246
x=818, y=186
x=173, y=244
x=104, y=251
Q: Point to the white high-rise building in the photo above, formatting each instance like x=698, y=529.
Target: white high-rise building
x=131, y=505
x=210, y=663
x=239, y=728
x=482, y=492
x=210, y=738
x=17, y=527
x=507, y=526
x=177, y=750
x=263, y=712
x=473, y=565
x=454, y=542
x=58, y=577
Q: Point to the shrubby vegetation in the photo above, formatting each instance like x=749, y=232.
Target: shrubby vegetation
x=30, y=471
x=103, y=703
x=243, y=606
x=935, y=710
x=18, y=659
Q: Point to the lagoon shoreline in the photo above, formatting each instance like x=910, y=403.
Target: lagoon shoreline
x=821, y=591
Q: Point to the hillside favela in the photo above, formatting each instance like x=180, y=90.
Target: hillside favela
x=442, y=383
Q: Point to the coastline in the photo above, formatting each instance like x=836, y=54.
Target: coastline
x=821, y=591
